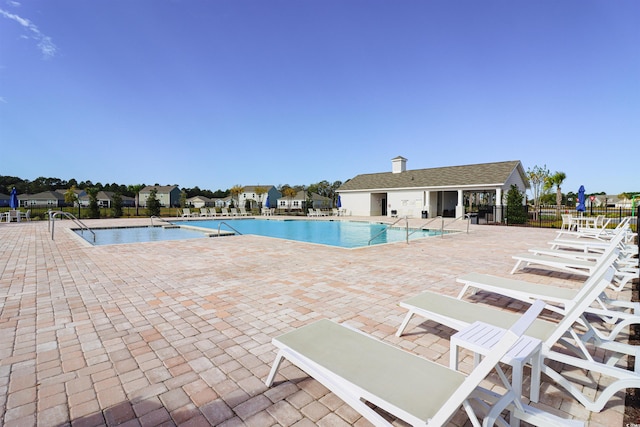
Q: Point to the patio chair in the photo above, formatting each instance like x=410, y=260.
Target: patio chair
x=619, y=313
x=561, y=342
x=572, y=262
x=186, y=213
x=13, y=215
x=568, y=223
x=364, y=371
x=243, y=212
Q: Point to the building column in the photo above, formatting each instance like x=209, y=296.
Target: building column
x=499, y=206
x=460, y=205
x=427, y=203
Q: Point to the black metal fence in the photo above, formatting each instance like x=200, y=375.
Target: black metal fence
x=551, y=216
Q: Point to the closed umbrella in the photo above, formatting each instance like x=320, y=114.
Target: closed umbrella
x=580, y=207
x=13, y=201
x=266, y=203
x=339, y=203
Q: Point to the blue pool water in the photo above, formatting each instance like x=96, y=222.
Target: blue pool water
x=114, y=236
x=345, y=234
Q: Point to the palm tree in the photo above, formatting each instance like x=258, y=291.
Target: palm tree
x=556, y=180
x=236, y=191
x=289, y=193
x=135, y=189
x=260, y=191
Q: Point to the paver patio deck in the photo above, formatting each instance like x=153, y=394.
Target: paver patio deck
x=179, y=332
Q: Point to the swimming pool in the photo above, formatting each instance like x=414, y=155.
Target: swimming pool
x=114, y=236
x=345, y=234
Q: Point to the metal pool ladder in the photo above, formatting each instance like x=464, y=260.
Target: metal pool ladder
x=405, y=218
x=52, y=222
x=223, y=222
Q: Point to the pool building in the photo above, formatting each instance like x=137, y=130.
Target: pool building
x=443, y=191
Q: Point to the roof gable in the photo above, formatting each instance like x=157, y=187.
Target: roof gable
x=478, y=174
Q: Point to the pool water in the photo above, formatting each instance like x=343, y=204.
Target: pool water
x=114, y=236
x=345, y=234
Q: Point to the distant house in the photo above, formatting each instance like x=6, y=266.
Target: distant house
x=299, y=202
x=105, y=200
x=199, y=202
x=436, y=191
x=46, y=199
x=222, y=203
x=257, y=201
x=609, y=201
x=167, y=195
x=78, y=192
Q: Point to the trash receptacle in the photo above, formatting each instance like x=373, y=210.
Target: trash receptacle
x=474, y=218
x=424, y=214
x=394, y=213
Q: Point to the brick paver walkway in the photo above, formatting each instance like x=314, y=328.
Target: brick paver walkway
x=179, y=333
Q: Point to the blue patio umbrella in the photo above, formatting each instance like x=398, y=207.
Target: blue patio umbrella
x=580, y=207
x=339, y=203
x=13, y=201
x=266, y=203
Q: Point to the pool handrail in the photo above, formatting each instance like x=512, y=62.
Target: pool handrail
x=225, y=223
x=52, y=222
x=406, y=218
x=157, y=217
x=421, y=228
x=466, y=217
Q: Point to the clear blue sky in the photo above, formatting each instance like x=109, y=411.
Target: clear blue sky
x=222, y=92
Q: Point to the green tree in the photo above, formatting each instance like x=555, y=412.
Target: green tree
x=94, y=209
x=516, y=212
x=153, y=204
x=556, y=180
x=135, y=190
x=236, y=191
x=289, y=193
x=537, y=176
x=260, y=192
x=183, y=199
x=70, y=196
x=117, y=205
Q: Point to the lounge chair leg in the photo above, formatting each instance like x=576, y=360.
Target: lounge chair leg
x=404, y=324
x=464, y=291
x=516, y=266
x=274, y=369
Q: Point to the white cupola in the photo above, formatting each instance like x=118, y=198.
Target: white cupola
x=398, y=164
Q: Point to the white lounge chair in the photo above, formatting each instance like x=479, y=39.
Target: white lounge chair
x=574, y=355
x=600, y=233
x=625, y=269
x=362, y=370
x=186, y=213
x=243, y=212
x=619, y=313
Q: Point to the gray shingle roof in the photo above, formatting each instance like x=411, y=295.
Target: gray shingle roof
x=480, y=174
